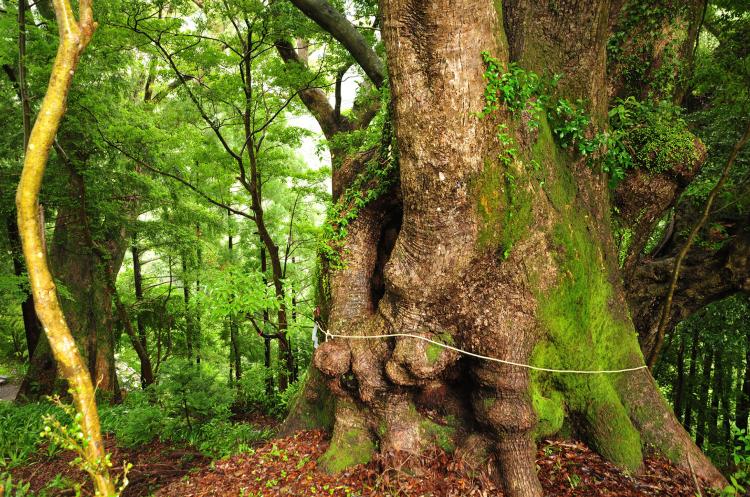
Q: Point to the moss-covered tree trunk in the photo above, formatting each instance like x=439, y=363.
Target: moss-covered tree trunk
x=504, y=254
x=81, y=263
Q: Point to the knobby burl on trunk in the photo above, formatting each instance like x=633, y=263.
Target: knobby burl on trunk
x=510, y=258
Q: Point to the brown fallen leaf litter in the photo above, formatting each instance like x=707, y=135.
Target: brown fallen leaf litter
x=154, y=465
x=287, y=467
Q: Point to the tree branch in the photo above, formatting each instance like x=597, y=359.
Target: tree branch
x=74, y=36
x=335, y=23
x=314, y=99
x=664, y=319
x=174, y=177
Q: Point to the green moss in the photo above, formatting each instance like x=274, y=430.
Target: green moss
x=347, y=449
x=558, y=183
x=382, y=429
x=504, y=206
x=321, y=415
x=443, y=435
x=313, y=407
x=550, y=411
x=433, y=353
x=662, y=142
x=582, y=333
x=648, y=414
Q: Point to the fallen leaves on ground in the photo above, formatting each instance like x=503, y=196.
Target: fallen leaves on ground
x=287, y=467
x=153, y=465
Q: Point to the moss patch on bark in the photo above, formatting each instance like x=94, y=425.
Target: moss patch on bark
x=349, y=448
x=433, y=351
x=549, y=406
x=444, y=436
x=504, y=205
x=581, y=331
x=313, y=406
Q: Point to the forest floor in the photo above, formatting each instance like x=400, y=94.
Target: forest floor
x=287, y=467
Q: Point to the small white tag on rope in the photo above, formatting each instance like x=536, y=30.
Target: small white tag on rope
x=315, y=335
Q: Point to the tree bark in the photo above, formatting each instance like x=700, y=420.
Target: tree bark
x=691, y=380
x=700, y=428
x=707, y=276
x=189, y=322
x=743, y=399
x=339, y=26
x=666, y=310
x=489, y=257
x=140, y=325
x=81, y=263
x=726, y=408
x=266, y=338
x=679, y=386
x=234, y=338
x=31, y=325
x=198, y=329
x=147, y=372
x=716, y=393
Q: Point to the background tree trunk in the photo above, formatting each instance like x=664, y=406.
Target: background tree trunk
x=81, y=264
x=140, y=326
x=743, y=399
x=700, y=428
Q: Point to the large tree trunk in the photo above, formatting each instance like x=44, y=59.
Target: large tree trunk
x=80, y=263
x=500, y=258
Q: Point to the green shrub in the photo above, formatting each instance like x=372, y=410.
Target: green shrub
x=222, y=438
x=10, y=489
x=251, y=389
x=285, y=399
x=252, y=393
x=137, y=421
x=739, y=481
x=191, y=397
x=140, y=426
x=20, y=426
x=188, y=406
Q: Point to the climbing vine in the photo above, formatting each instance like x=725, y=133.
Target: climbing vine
x=647, y=134
x=645, y=21
x=515, y=89
x=379, y=175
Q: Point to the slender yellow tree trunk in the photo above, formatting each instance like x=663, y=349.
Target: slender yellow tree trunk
x=74, y=36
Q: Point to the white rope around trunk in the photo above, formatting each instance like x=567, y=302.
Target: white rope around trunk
x=479, y=356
